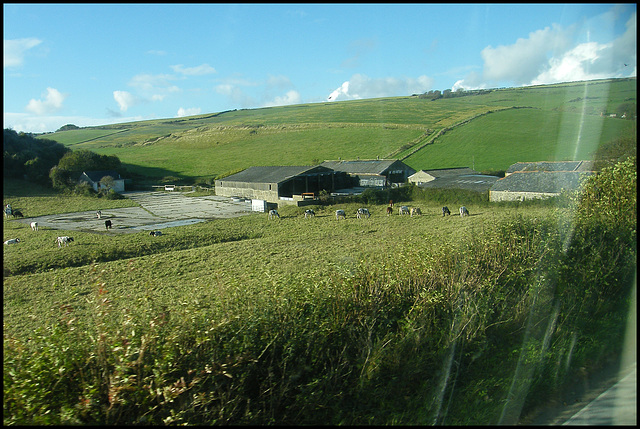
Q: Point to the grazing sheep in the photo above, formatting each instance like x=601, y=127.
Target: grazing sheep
x=64, y=240
x=99, y=214
x=309, y=213
x=17, y=213
x=389, y=211
x=445, y=211
x=12, y=241
x=463, y=211
x=415, y=211
x=273, y=214
x=340, y=214
x=107, y=224
x=363, y=212
x=155, y=233
x=403, y=210
x=34, y=226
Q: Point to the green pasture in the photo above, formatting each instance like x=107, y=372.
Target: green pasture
x=552, y=119
x=497, y=140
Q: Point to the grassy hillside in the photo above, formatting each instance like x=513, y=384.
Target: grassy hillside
x=555, y=119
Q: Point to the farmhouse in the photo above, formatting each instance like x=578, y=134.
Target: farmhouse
x=525, y=181
x=373, y=173
x=287, y=184
x=94, y=178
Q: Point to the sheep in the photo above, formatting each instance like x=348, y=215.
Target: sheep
x=17, y=213
x=34, y=226
x=155, y=233
x=415, y=211
x=12, y=241
x=99, y=214
x=463, y=211
x=340, y=214
x=363, y=212
x=273, y=214
x=64, y=240
x=445, y=211
x=389, y=211
x=107, y=224
x=309, y=213
x=403, y=210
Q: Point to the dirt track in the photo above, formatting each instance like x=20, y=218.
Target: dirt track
x=158, y=210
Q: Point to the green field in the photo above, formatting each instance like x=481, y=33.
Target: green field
x=388, y=320
x=553, y=122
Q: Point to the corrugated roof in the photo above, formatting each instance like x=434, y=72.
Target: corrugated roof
x=540, y=181
x=375, y=166
x=272, y=174
x=551, y=166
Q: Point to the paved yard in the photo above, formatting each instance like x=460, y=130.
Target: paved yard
x=158, y=210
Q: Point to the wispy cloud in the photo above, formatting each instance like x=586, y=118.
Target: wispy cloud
x=51, y=103
x=291, y=97
x=358, y=49
x=15, y=50
x=200, y=70
x=361, y=86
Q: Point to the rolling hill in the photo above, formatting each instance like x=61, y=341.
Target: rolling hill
x=485, y=130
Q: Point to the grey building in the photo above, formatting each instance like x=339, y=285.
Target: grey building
x=94, y=179
x=279, y=184
x=373, y=173
x=524, y=185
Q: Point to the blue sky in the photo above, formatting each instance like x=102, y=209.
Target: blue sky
x=96, y=64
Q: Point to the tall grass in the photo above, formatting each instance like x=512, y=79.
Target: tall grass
x=475, y=329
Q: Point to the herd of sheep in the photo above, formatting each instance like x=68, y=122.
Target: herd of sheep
x=363, y=212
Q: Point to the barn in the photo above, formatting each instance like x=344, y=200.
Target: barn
x=94, y=178
x=286, y=184
x=373, y=173
x=533, y=180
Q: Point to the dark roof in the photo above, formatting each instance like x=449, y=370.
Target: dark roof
x=444, y=172
x=540, y=181
x=375, y=166
x=472, y=182
x=270, y=174
x=96, y=176
x=551, y=166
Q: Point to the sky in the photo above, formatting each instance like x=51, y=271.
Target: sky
x=99, y=64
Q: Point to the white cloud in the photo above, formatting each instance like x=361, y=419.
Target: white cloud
x=291, y=97
x=124, y=99
x=361, y=86
x=14, y=50
x=525, y=59
x=200, y=70
x=52, y=102
x=188, y=112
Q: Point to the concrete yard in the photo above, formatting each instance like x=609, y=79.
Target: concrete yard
x=158, y=210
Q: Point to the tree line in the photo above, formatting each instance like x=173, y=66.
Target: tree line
x=50, y=163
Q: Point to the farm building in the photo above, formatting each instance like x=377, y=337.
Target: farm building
x=424, y=176
x=287, y=184
x=546, y=181
x=94, y=178
x=550, y=166
x=373, y=173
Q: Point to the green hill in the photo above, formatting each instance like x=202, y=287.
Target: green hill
x=487, y=130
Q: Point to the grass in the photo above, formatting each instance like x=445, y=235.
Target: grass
x=386, y=320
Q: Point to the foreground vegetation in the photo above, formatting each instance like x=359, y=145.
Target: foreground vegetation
x=387, y=320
